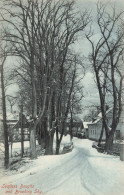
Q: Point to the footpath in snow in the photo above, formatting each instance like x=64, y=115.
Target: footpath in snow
x=83, y=171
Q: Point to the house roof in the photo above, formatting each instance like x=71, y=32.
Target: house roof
x=99, y=117
x=85, y=124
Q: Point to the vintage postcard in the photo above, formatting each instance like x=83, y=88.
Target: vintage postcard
x=62, y=97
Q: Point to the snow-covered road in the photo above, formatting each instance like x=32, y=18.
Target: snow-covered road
x=84, y=171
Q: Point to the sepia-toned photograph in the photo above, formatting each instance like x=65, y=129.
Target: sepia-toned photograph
x=62, y=97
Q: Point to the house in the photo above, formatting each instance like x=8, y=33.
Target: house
x=85, y=128
x=94, y=128
x=16, y=133
x=14, y=128
x=11, y=120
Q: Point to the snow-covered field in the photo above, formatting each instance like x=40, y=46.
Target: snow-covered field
x=83, y=171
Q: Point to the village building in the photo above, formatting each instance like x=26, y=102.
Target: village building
x=94, y=128
x=85, y=128
x=14, y=129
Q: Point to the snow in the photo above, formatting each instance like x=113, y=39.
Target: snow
x=85, y=124
x=83, y=171
x=16, y=147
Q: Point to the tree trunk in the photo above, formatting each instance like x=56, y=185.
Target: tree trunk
x=57, y=147
x=33, y=153
x=109, y=142
x=22, y=133
x=101, y=135
x=11, y=149
x=39, y=135
x=6, y=160
x=71, y=126
x=48, y=139
x=57, y=140
x=49, y=143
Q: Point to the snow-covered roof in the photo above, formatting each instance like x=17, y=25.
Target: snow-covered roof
x=12, y=123
x=99, y=117
x=85, y=124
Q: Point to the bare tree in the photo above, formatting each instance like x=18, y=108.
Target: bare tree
x=106, y=59
x=40, y=34
x=3, y=57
